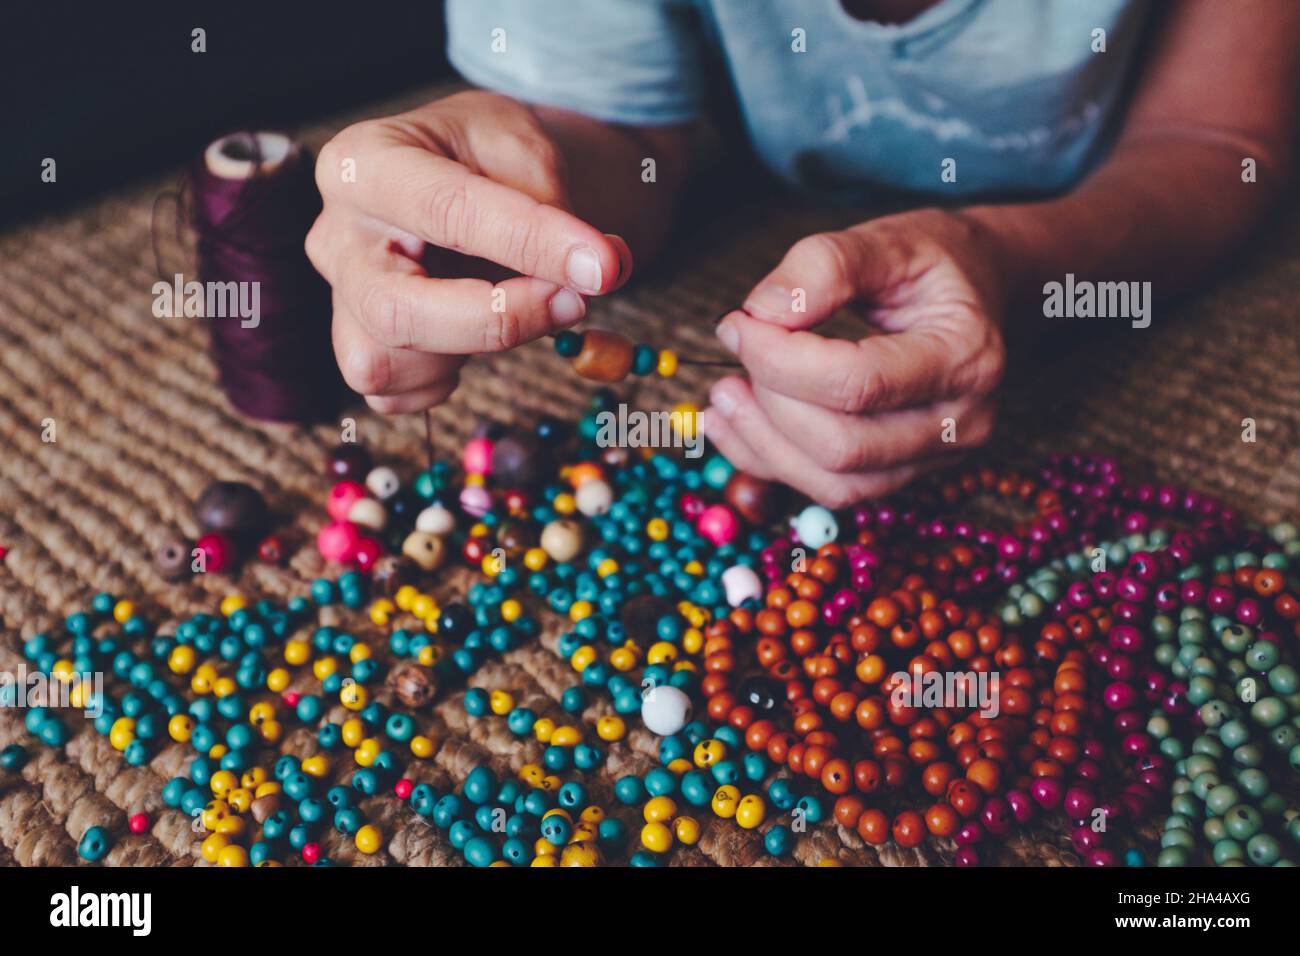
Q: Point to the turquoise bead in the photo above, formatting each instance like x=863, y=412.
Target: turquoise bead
x=94, y=844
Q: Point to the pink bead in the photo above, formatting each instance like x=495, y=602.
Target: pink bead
x=311, y=852
x=403, y=788
x=366, y=553
x=138, y=823
x=1047, y=792
x=1119, y=696
x=477, y=456
x=218, y=552
x=1102, y=857
x=475, y=500
x=1079, y=803
x=997, y=816
x=342, y=497
x=338, y=541
x=718, y=524
x=1022, y=808
x=966, y=856
x=970, y=834
x=291, y=698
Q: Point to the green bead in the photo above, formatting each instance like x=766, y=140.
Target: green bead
x=644, y=359
x=1204, y=783
x=1226, y=850
x=1254, y=782
x=1213, y=713
x=95, y=844
x=1173, y=856
x=1269, y=712
x=1200, y=690
x=1262, y=655
x=1263, y=849
x=1222, y=799
x=1284, y=680
x=1243, y=822
x=1178, y=838
x=1236, y=638
x=1185, y=805
x=1248, y=755
x=1234, y=733
x=568, y=343
x=1215, y=829
x=13, y=758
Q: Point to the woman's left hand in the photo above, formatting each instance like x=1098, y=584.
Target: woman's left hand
x=846, y=420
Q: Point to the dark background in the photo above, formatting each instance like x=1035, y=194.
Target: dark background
x=113, y=92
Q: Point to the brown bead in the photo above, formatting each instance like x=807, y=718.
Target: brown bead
x=264, y=806
x=349, y=462
x=605, y=356
x=390, y=572
x=519, y=460
x=516, y=537
x=172, y=560
x=414, y=685
x=232, y=508
x=755, y=500
x=426, y=550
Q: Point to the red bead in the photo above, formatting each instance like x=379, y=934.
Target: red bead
x=366, y=553
x=311, y=853
x=218, y=552
x=403, y=788
x=138, y=823
x=270, y=550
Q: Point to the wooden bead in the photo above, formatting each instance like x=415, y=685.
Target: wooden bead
x=172, y=560
x=426, y=550
x=562, y=539
x=605, y=357
x=414, y=685
x=753, y=499
x=232, y=508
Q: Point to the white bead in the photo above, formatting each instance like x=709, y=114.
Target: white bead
x=562, y=540
x=368, y=513
x=816, y=526
x=383, y=482
x=665, y=710
x=435, y=519
x=594, y=497
x=741, y=584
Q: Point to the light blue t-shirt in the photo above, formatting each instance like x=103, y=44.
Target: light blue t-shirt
x=971, y=96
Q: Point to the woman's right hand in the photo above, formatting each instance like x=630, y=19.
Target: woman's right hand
x=410, y=203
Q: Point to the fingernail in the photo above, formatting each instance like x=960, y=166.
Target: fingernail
x=769, y=301
x=583, y=269
x=621, y=244
x=723, y=401
x=567, y=307
x=729, y=336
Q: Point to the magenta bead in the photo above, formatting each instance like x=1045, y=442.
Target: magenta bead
x=342, y=497
x=218, y=552
x=1102, y=857
x=1079, y=802
x=996, y=816
x=1120, y=696
x=1046, y=791
x=476, y=457
x=338, y=541
x=970, y=834
x=718, y=524
x=966, y=856
x=1022, y=808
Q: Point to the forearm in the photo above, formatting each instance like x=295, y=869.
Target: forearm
x=1167, y=210
x=611, y=185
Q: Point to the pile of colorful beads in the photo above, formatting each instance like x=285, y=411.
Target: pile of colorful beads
x=904, y=670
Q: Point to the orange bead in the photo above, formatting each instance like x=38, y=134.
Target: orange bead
x=908, y=829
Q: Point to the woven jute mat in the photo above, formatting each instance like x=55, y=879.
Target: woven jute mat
x=142, y=428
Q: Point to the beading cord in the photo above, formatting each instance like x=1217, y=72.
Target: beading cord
x=665, y=565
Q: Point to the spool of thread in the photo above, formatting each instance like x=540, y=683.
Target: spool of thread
x=252, y=198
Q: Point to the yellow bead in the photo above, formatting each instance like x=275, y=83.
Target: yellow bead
x=582, y=657
x=268, y=788
x=543, y=847
x=584, y=832
x=709, y=752
x=501, y=703
x=317, y=766
x=262, y=710
x=607, y=567
x=551, y=784
x=222, y=782
x=353, y=696
x=593, y=814
x=217, y=751
x=543, y=729
x=751, y=811
x=656, y=838
x=181, y=660
x=534, y=559
x=213, y=813
x=271, y=730
x=421, y=746
x=693, y=640
x=360, y=652
x=297, y=653
x=479, y=529
x=657, y=529
x=829, y=861
x=724, y=801
x=233, y=826
x=686, y=830
x=123, y=611
x=79, y=696
x=581, y=610
x=180, y=728
x=544, y=860
x=423, y=606
x=490, y=565
x=323, y=667
x=611, y=728
x=580, y=854
x=253, y=778
x=368, y=839
x=201, y=682
x=405, y=597
x=659, y=809
x=366, y=752
x=693, y=567
x=623, y=659
x=382, y=611
x=353, y=731
x=684, y=666
x=232, y=856
x=566, y=736
x=499, y=864
x=224, y=686
x=565, y=503
x=510, y=610
x=232, y=603
x=661, y=652
x=558, y=812
x=531, y=774
x=667, y=365
x=429, y=655
x=212, y=846
x=122, y=733
x=679, y=766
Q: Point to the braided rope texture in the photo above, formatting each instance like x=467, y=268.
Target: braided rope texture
x=142, y=428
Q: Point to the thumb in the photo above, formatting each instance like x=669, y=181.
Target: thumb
x=822, y=273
